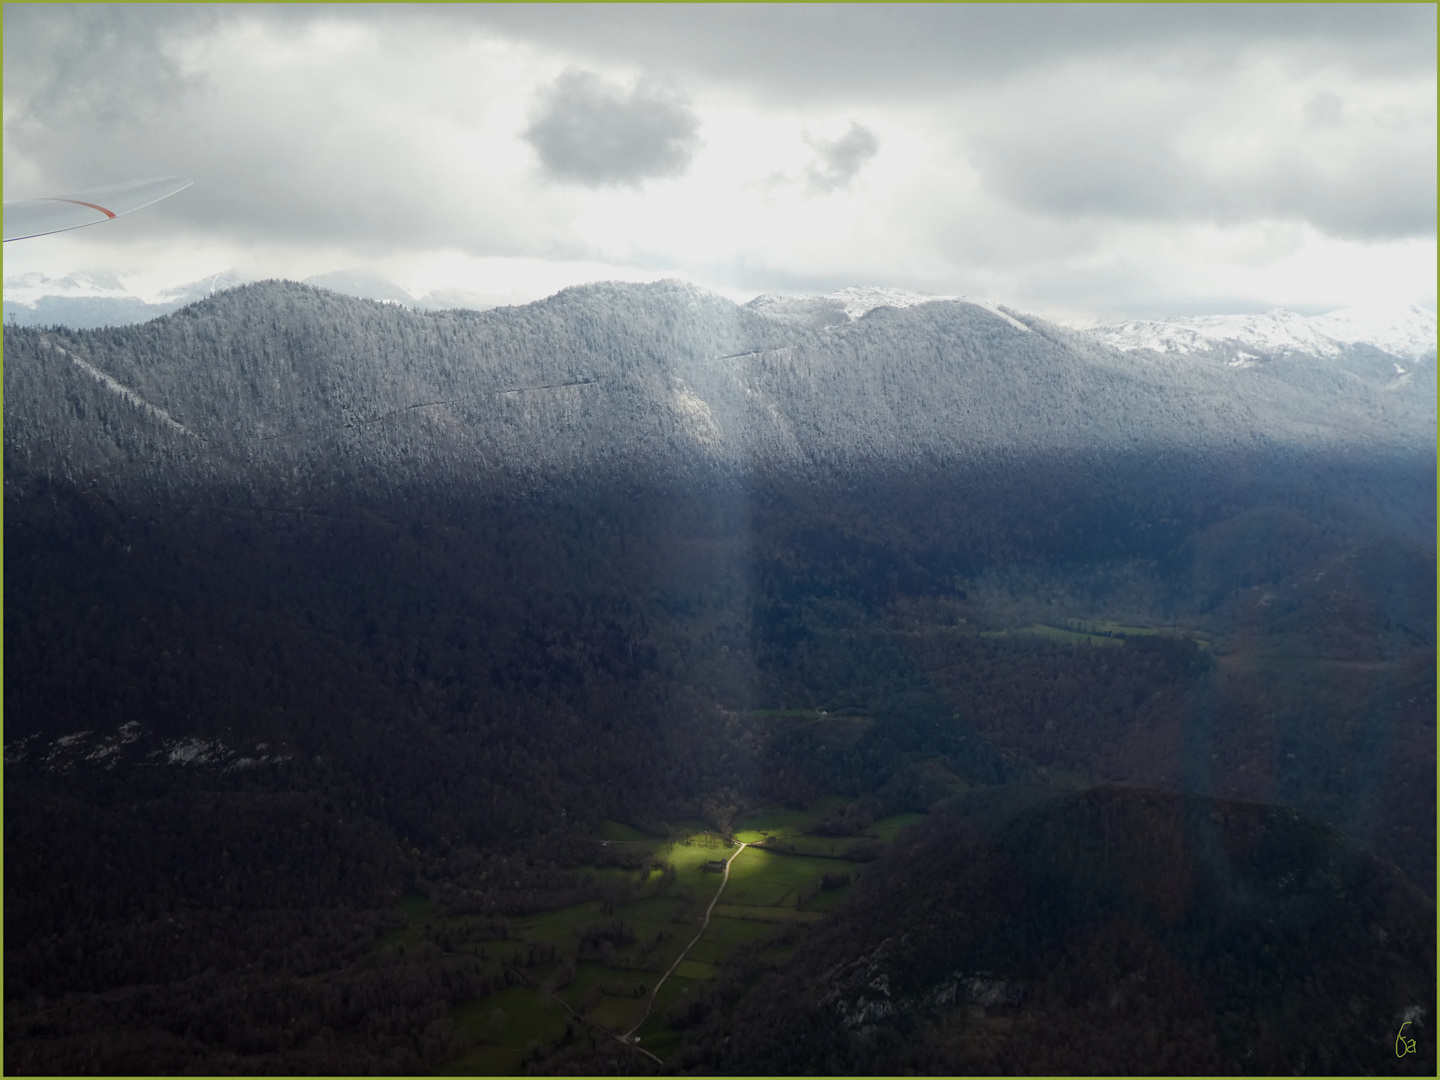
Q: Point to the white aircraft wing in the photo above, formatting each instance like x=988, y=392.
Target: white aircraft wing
x=36, y=217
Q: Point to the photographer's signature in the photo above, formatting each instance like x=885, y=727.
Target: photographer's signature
x=1403, y=1045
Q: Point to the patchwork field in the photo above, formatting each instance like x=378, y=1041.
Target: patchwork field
x=554, y=982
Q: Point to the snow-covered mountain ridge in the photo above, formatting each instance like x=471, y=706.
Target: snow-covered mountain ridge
x=86, y=300
x=1404, y=332
x=857, y=301
x=90, y=299
x=282, y=380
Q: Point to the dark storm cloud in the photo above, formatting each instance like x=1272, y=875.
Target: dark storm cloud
x=91, y=68
x=92, y=91
x=838, y=160
x=596, y=133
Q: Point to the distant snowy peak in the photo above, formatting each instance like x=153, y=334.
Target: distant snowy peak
x=206, y=286
x=858, y=301
x=33, y=287
x=1404, y=332
x=1407, y=331
x=28, y=288
x=88, y=299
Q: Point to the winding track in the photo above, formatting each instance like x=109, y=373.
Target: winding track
x=704, y=925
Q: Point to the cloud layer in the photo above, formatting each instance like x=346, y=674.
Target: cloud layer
x=1094, y=162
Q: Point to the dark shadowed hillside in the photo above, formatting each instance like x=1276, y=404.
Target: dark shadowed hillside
x=341, y=638
x=1117, y=931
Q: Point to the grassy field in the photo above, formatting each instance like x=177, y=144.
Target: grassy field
x=1074, y=637
x=654, y=1034
x=783, y=821
x=1087, y=632
x=625, y=834
x=761, y=905
x=513, y=1020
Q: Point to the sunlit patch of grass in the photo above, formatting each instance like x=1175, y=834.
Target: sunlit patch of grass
x=689, y=860
x=761, y=895
x=783, y=821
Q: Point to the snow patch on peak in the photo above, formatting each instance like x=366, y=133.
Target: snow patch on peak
x=202, y=288
x=860, y=300
x=857, y=301
x=82, y=284
x=1404, y=332
x=1268, y=333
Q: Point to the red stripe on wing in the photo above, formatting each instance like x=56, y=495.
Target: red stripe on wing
x=91, y=205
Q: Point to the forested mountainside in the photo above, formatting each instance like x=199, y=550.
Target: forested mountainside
x=1015, y=936
x=319, y=609
x=268, y=379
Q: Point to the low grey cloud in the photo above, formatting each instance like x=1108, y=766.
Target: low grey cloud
x=95, y=69
x=838, y=160
x=594, y=132
x=1120, y=154
x=1020, y=140
x=822, y=51
x=99, y=93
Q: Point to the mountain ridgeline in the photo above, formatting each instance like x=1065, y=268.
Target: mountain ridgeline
x=266, y=380
x=314, y=603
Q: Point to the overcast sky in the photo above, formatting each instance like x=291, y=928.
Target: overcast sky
x=1088, y=163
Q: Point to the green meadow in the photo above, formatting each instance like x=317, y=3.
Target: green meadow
x=1096, y=632
x=768, y=897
